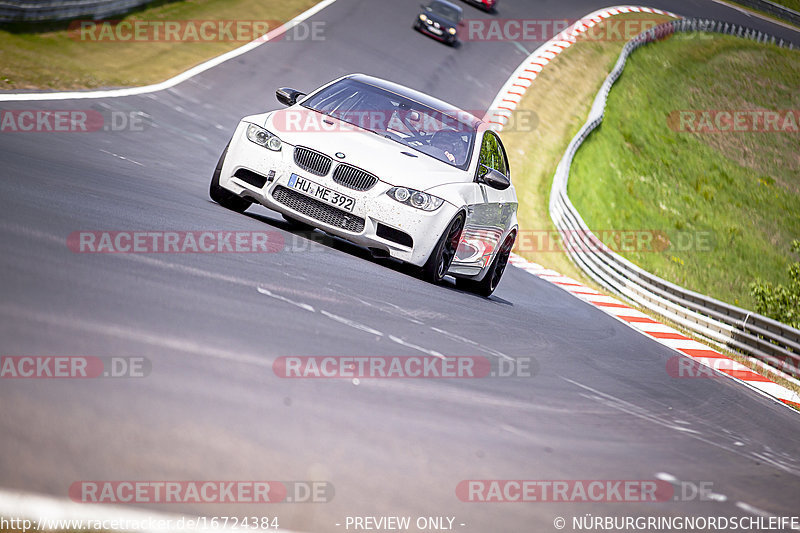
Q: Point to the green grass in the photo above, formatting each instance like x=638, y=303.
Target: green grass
x=791, y=4
x=51, y=57
x=561, y=109
x=743, y=188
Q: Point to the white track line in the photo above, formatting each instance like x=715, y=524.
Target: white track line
x=670, y=337
x=510, y=96
x=172, y=82
x=43, y=509
x=520, y=81
x=761, y=16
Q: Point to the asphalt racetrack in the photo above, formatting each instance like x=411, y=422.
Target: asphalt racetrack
x=600, y=404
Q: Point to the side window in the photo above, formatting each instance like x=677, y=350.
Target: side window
x=503, y=157
x=492, y=153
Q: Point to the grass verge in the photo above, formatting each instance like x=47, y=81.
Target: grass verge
x=639, y=170
x=561, y=109
x=51, y=56
x=791, y=4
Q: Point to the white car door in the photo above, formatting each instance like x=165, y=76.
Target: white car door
x=490, y=210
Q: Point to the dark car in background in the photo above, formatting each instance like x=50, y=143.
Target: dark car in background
x=487, y=5
x=440, y=20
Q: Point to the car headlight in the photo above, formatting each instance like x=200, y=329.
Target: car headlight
x=414, y=198
x=263, y=138
x=451, y=31
x=423, y=18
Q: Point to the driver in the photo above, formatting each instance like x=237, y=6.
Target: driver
x=451, y=144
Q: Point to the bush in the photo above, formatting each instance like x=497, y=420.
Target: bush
x=780, y=302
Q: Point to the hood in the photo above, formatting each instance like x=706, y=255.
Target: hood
x=388, y=160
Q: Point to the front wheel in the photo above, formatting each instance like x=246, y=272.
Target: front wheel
x=222, y=196
x=491, y=280
x=444, y=252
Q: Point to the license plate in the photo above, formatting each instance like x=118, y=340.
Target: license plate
x=437, y=31
x=324, y=194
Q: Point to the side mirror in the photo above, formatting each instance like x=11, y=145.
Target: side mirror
x=493, y=178
x=288, y=97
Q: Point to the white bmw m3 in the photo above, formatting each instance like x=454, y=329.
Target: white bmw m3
x=385, y=167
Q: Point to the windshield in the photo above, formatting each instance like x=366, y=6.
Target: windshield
x=410, y=123
x=444, y=11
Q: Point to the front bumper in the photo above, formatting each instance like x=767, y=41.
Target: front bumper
x=444, y=36
x=374, y=207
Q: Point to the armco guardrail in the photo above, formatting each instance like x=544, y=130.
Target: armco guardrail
x=41, y=10
x=772, y=342
x=773, y=9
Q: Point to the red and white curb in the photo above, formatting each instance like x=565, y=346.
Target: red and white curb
x=499, y=114
x=520, y=81
x=698, y=352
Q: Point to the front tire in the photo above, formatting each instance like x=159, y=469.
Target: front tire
x=222, y=196
x=491, y=280
x=444, y=252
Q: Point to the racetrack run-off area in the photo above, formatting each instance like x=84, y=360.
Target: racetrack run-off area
x=600, y=405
